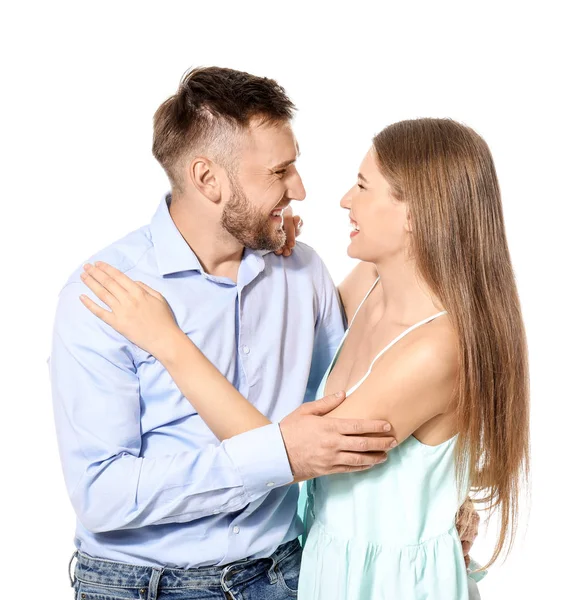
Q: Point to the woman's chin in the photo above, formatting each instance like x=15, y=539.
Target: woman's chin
x=352, y=252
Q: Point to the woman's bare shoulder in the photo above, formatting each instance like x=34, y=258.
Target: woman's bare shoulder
x=354, y=287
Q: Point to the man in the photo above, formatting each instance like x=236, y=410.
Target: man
x=163, y=508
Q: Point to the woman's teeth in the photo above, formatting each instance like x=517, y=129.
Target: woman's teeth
x=354, y=227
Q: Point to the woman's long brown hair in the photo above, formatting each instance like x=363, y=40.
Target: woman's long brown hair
x=445, y=173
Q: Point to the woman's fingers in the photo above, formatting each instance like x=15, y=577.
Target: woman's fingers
x=98, y=289
x=119, y=278
x=149, y=290
x=292, y=227
x=107, y=280
x=289, y=228
x=97, y=310
x=298, y=225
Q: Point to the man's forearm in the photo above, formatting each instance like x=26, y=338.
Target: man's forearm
x=127, y=492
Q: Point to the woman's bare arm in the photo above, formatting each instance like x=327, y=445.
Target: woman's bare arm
x=407, y=386
x=222, y=407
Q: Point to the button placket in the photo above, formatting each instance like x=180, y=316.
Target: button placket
x=243, y=348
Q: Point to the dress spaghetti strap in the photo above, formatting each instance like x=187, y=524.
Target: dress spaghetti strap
x=363, y=302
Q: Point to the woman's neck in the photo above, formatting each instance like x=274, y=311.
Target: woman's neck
x=406, y=297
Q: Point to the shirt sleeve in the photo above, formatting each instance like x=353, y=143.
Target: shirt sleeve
x=329, y=328
x=97, y=408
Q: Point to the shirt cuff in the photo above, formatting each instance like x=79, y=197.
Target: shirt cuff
x=473, y=571
x=260, y=458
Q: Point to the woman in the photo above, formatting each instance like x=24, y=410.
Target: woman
x=435, y=345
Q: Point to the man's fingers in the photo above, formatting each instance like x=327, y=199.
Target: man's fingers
x=361, y=426
x=360, y=459
x=349, y=469
x=351, y=443
x=469, y=535
x=324, y=405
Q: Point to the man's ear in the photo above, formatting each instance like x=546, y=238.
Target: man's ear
x=204, y=175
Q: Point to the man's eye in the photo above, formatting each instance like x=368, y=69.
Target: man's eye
x=281, y=173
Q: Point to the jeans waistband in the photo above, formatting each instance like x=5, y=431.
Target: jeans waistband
x=122, y=575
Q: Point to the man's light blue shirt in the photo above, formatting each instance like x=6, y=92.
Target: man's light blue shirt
x=149, y=482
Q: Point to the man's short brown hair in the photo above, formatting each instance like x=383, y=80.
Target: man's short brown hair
x=209, y=107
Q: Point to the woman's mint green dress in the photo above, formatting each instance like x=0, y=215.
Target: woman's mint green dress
x=386, y=533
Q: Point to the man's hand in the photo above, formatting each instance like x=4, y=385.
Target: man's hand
x=292, y=227
x=321, y=446
x=467, y=520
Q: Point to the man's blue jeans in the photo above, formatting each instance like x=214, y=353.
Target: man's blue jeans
x=273, y=578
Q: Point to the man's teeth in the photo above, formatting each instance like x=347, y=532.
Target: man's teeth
x=276, y=213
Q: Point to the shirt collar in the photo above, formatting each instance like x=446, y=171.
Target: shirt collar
x=173, y=253
x=171, y=250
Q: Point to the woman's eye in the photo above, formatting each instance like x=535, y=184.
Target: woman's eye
x=360, y=186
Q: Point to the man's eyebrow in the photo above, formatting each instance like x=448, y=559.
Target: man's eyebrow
x=359, y=176
x=284, y=164
x=288, y=163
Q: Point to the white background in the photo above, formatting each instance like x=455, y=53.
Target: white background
x=81, y=82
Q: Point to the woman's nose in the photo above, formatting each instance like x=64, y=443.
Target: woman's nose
x=346, y=200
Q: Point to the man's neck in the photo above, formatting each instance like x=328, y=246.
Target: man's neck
x=218, y=252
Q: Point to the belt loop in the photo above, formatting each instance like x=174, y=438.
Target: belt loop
x=224, y=579
x=156, y=574
x=272, y=572
x=73, y=578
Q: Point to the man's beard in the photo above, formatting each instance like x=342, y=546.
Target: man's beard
x=246, y=224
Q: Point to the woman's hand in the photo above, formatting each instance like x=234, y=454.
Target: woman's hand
x=292, y=225
x=138, y=312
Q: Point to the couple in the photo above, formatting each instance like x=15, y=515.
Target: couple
x=180, y=468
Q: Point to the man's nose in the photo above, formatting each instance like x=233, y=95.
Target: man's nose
x=296, y=189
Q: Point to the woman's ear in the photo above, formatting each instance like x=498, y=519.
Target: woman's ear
x=408, y=221
x=203, y=174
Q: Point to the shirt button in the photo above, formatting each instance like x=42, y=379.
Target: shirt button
x=246, y=349
x=236, y=529
x=270, y=484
